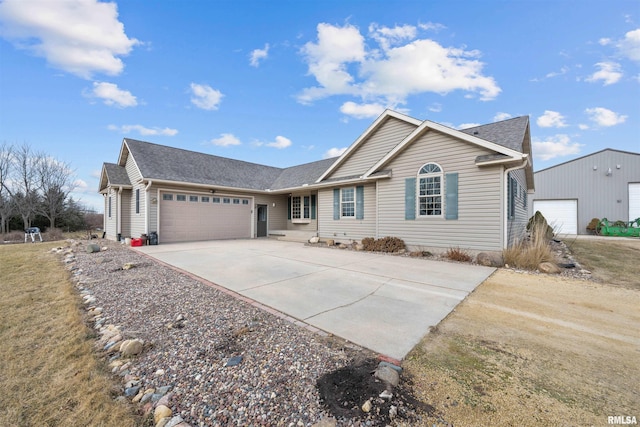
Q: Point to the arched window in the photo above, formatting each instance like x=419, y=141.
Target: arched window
x=430, y=190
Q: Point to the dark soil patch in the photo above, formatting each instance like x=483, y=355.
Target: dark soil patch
x=344, y=391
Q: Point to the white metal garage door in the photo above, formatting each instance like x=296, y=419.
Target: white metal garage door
x=190, y=217
x=562, y=215
x=634, y=201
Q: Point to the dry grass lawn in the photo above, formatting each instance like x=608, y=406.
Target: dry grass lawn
x=48, y=373
x=538, y=350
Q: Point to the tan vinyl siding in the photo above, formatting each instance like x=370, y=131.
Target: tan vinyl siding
x=516, y=227
x=387, y=136
x=276, y=215
x=125, y=214
x=152, y=208
x=346, y=229
x=110, y=222
x=137, y=221
x=479, y=225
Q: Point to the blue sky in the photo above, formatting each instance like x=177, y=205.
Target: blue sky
x=288, y=82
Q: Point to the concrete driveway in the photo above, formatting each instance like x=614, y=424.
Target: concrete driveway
x=382, y=302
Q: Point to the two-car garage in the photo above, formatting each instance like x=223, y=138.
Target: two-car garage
x=191, y=217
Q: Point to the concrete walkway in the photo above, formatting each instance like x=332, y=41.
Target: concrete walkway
x=382, y=302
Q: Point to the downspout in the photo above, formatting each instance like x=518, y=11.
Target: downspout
x=505, y=188
x=146, y=207
x=118, y=212
x=377, y=211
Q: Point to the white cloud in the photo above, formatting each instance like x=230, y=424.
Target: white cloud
x=431, y=26
x=555, y=146
x=386, y=36
x=280, y=143
x=258, y=54
x=630, y=45
x=225, y=140
x=609, y=73
x=551, y=119
x=604, y=41
x=112, y=95
x=501, y=116
x=334, y=152
x=435, y=107
x=81, y=186
x=605, y=117
x=361, y=111
x=205, y=97
x=142, y=130
x=81, y=37
x=343, y=64
x=563, y=70
x=583, y=126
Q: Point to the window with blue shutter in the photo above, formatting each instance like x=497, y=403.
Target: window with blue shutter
x=360, y=202
x=410, y=198
x=336, y=203
x=451, y=189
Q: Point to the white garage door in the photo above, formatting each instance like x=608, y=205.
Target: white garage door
x=634, y=201
x=190, y=217
x=562, y=215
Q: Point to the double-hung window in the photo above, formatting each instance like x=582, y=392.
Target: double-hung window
x=430, y=190
x=348, y=203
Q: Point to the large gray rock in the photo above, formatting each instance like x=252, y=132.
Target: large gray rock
x=314, y=239
x=93, y=248
x=387, y=375
x=489, y=259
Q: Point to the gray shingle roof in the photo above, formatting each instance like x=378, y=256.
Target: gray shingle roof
x=116, y=174
x=175, y=164
x=508, y=133
x=297, y=176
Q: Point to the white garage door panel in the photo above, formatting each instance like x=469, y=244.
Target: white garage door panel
x=187, y=221
x=634, y=201
x=562, y=215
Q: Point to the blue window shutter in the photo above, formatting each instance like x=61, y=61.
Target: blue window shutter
x=451, y=196
x=289, y=207
x=313, y=206
x=336, y=203
x=410, y=198
x=360, y=202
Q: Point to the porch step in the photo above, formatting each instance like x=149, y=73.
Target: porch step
x=292, y=235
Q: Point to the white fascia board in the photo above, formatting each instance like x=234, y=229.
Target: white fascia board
x=372, y=128
x=429, y=125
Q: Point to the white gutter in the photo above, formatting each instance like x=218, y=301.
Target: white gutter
x=146, y=207
x=505, y=188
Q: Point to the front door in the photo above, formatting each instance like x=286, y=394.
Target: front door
x=262, y=220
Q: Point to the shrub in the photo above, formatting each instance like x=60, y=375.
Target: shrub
x=593, y=224
x=385, y=244
x=457, y=254
x=527, y=254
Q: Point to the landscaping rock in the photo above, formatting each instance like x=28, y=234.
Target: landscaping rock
x=160, y=412
x=131, y=347
x=331, y=242
x=388, y=375
x=548, y=268
x=489, y=259
x=326, y=422
x=314, y=239
x=91, y=248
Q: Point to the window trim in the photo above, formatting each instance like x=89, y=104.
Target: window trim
x=420, y=175
x=350, y=202
x=300, y=209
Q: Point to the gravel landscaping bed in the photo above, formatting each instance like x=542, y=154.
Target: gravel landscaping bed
x=212, y=359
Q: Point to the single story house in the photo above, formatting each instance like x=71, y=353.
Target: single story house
x=432, y=186
x=605, y=184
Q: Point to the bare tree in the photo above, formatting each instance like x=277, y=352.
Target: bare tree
x=6, y=207
x=25, y=185
x=55, y=180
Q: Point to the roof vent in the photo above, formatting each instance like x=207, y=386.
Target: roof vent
x=475, y=132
